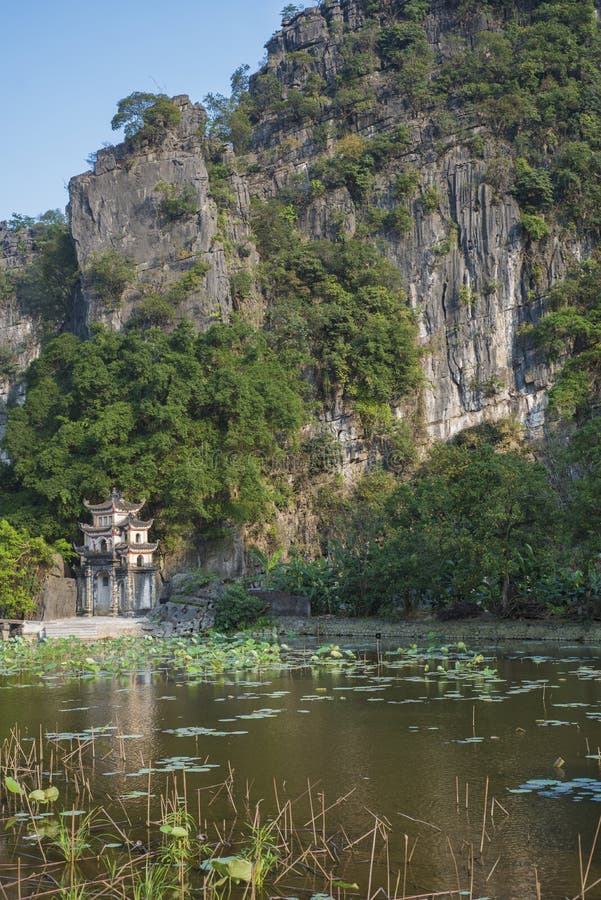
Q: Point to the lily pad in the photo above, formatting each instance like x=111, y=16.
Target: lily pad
x=13, y=786
x=576, y=790
x=235, y=868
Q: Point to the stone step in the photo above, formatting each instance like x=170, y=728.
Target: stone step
x=93, y=628
x=55, y=630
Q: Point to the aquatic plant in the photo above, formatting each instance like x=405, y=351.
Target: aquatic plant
x=452, y=660
x=284, y=847
x=72, y=839
x=191, y=656
x=153, y=882
x=331, y=653
x=262, y=851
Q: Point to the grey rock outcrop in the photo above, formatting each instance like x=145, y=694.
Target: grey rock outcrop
x=472, y=276
x=469, y=272
x=117, y=208
x=187, y=604
x=221, y=557
x=177, y=619
x=20, y=338
x=58, y=595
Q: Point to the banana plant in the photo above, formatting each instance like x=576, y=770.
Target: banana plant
x=267, y=563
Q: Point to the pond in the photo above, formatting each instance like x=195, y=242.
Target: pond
x=396, y=775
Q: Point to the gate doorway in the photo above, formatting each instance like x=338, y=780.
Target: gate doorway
x=103, y=595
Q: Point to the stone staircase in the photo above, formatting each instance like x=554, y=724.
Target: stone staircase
x=91, y=629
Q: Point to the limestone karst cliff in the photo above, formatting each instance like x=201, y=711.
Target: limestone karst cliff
x=391, y=122
x=467, y=243
x=19, y=342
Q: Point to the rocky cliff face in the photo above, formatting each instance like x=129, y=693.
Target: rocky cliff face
x=20, y=337
x=117, y=208
x=471, y=273
x=473, y=300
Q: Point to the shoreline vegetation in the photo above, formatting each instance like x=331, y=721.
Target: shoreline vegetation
x=195, y=656
x=479, y=526
x=231, y=427
x=484, y=629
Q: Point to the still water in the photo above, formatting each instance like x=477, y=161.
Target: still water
x=421, y=752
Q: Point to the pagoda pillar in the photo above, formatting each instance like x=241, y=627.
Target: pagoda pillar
x=131, y=593
x=87, y=605
x=114, y=594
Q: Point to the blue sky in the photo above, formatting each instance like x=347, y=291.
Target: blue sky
x=66, y=63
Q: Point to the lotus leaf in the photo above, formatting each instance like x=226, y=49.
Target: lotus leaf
x=235, y=867
x=13, y=786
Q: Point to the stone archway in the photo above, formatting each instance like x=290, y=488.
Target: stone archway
x=103, y=593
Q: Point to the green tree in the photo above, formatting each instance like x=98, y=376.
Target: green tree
x=145, y=116
x=290, y=10
x=178, y=201
x=238, y=609
x=473, y=525
x=229, y=118
x=533, y=187
x=18, y=222
x=194, y=422
x=461, y=528
x=571, y=331
x=266, y=562
x=23, y=562
x=583, y=477
x=340, y=309
x=107, y=275
x=45, y=286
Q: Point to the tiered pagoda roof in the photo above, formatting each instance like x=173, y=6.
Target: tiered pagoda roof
x=133, y=521
x=94, y=529
x=114, y=503
x=123, y=529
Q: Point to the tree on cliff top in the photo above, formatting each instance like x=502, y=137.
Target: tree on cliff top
x=143, y=115
x=291, y=10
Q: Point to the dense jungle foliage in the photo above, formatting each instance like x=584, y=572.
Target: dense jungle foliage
x=339, y=309
x=43, y=286
x=193, y=422
x=479, y=526
x=570, y=333
x=24, y=560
